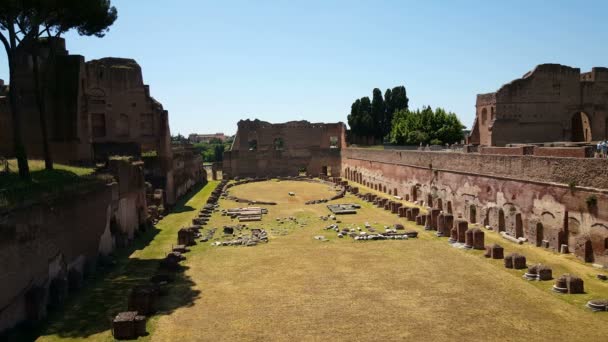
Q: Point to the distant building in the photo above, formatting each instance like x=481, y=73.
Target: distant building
x=205, y=138
x=262, y=149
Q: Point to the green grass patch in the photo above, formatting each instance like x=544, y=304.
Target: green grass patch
x=60, y=181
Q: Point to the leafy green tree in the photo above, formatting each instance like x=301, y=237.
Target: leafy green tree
x=426, y=126
x=375, y=117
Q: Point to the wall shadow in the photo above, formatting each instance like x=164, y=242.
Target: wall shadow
x=105, y=293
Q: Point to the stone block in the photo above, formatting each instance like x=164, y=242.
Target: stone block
x=461, y=227
x=415, y=212
x=123, y=326
x=478, y=239
x=143, y=299
x=468, y=238
x=434, y=214
x=515, y=261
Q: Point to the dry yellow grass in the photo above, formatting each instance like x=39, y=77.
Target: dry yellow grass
x=298, y=288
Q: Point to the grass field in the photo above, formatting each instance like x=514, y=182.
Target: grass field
x=299, y=288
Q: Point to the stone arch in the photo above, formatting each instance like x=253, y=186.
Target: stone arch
x=588, y=251
x=384, y=189
x=450, y=207
x=501, y=220
x=439, y=204
x=519, y=226
x=472, y=213
x=581, y=127
x=540, y=234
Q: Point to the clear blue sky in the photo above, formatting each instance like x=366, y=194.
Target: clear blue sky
x=212, y=63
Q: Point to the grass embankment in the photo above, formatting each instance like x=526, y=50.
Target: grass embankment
x=60, y=181
x=88, y=314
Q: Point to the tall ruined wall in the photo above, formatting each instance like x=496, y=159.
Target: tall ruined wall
x=63, y=78
x=540, y=107
x=46, y=242
x=187, y=169
x=263, y=149
x=522, y=195
x=46, y=248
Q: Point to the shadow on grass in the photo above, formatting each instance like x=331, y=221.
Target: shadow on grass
x=106, y=293
x=44, y=183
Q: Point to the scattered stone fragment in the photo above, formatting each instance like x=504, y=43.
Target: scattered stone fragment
x=598, y=304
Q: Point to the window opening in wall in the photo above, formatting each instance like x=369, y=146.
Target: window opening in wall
x=253, y=145
x=484, y=116
x=472, y=214
x=333, y=142
x=122, y=125
x=279, y=144
x=98, y=123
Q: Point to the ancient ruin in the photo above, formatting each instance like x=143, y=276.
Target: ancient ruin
x=552, y=103
x=262, y=149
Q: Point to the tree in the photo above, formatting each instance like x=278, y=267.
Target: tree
x=179, y=139
x=375, y=118
x=10, y=13
x=218, y=152
x=378, y=113
x=88, y=17
x=426, y=126
x=25, y=22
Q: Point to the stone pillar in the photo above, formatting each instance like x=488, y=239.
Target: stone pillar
x=421, y=220
x=461, y=227
x=449, y=223
x=494, y=251
x=478, y=239
x=401, y=211
x=427, y=222
x=434, y=214
x=440, y=225
x=468, y=238
x=415, y=212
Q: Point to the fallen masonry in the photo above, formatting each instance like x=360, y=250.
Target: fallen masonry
x=257, y=236
x=128, y=325
x=343, y=209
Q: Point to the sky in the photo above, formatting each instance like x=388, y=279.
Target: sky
x=212, y=63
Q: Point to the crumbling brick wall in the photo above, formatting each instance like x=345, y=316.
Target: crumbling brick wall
x=525, y=196
x=545, y=105
x=262, y=149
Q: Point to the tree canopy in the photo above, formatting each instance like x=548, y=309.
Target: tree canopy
x=374, y=118
x=426, y=126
